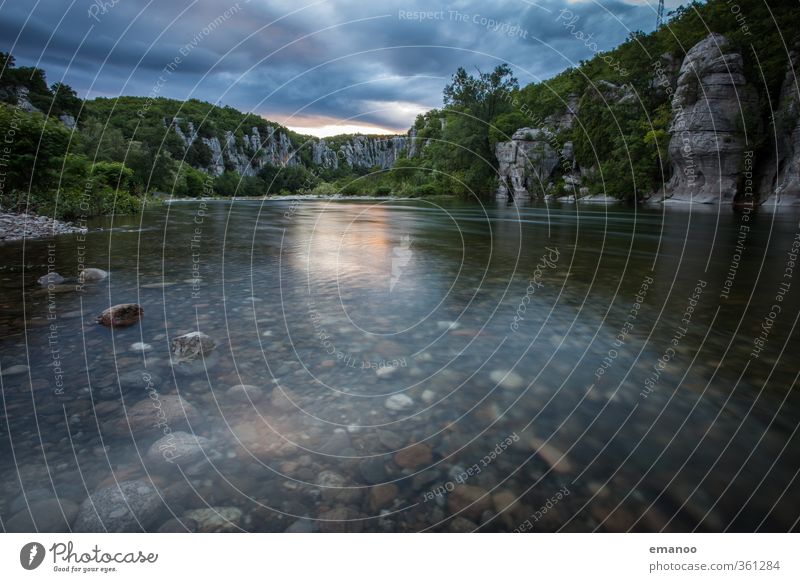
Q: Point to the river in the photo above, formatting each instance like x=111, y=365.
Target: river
x=416, y=366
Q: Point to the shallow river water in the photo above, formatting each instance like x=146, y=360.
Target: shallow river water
x=414, y=366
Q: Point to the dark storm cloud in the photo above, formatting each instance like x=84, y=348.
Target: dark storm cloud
x=329, y=59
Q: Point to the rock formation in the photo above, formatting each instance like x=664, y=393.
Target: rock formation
x=780, y=180
x=713, y=133
x=361, y=151
x=530, y=162
x=252, y=152
x=527, y=162
x=707, y=144
x=245, y=156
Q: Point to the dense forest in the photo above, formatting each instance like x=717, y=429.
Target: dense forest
x=68, y=156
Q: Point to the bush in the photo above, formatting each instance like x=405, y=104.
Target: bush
x=325, y=189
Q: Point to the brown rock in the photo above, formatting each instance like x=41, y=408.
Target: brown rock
x=470, y=500
x=122, y=315
x=551, y=455
x=382, y=496
x=341, y=520
x=414, y=456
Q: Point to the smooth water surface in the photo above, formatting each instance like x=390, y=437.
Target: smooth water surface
x=418, y=366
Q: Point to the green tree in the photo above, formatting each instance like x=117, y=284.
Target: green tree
x=65, y=100
x=472, y=102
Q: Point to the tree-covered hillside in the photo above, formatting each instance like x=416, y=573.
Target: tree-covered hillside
x=68, y=157
x=624, y=112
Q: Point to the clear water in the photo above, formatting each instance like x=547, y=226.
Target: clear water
x=330, y=308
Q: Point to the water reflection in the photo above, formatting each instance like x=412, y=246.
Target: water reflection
x=407, y=366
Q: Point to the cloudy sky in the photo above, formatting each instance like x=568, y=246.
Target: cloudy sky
x=319, y=66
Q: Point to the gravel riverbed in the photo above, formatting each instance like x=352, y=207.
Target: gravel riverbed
x=14, y=226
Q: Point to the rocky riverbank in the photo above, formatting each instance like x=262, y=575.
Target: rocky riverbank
x=18, y=226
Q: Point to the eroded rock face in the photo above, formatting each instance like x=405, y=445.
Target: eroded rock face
x=363, y=151
x=780, y=183
x=526, y=163
x=255, y=150
x=246, y=155
x=707, y=143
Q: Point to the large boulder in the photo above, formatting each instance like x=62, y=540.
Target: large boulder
x=130, y=506
x=707, y=143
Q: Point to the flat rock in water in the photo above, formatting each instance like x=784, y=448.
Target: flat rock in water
x=131, y=506
x=382, y=496
x=191, y=346
x=507, y=379
x=92, y=274
x=215, y=519
x=178, y=448
x=398, y=402
x=414, y=456
x=390, y=440
x=158, y=285
x=52, y=278
x=122, y=315
x=557, y=460
x=385, y=371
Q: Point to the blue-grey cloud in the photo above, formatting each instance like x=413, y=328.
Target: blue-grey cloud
x=338, y=59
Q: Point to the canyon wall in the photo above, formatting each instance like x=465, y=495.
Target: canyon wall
x=250, y=153
x=712, y=135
